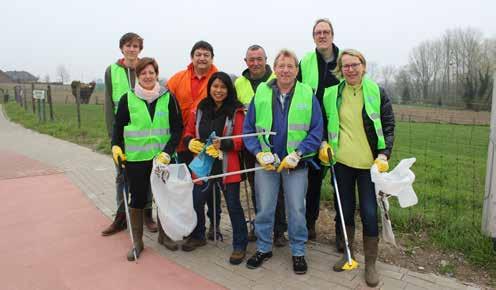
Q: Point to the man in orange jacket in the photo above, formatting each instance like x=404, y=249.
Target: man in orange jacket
x=190, y=87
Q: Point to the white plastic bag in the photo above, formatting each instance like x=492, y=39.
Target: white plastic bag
x=173, y=192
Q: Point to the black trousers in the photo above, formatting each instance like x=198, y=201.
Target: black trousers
x=315, y=177
x=138, y=174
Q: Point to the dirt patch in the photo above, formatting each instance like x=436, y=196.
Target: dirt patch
x=440, y=115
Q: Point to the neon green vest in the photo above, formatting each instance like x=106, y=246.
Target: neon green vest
x=310, y=70
x=372, y=103
x=299, y=115
x=245, y=91
x=120, y=83
x=144, y=138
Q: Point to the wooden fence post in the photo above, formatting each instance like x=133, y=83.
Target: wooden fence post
x=78, y=100
x=49, y=96
x=32, y=98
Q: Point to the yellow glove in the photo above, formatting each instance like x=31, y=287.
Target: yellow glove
x=195, y=146
x=163, y=158
x=323, y=153
x=116, y=153
x=266, y=160
x=289, y=162
x=382, y=163
x=212, y=151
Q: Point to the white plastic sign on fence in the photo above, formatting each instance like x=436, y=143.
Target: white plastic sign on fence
x=39, y=94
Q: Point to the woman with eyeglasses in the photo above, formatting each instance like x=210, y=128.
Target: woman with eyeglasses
x=360, y=131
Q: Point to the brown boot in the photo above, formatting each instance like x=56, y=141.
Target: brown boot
x=119, y=224
x=338, y=267
x=150, y=224
x=370, y=248
x=163, y=239
x=237, y=257
x=136, y=216
x=192, y=244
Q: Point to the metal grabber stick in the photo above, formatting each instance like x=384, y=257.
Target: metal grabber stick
x=123, y=174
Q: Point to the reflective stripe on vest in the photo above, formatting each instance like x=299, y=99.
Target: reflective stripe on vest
x=310, y=70
x=144, y=138
x=372, y=103
x=120, y=83
x=245, y=91
x=299, y=115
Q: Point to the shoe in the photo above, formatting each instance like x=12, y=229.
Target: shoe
x=210, y=233
x=280, y=240
x=257, y=259
x=312, y=234
x=150, y=224
x=370, y=249
x=192, y=244
x=119, y=224
x=338, y=266
x=164, y=240
x=299, y=265
x=136, y=216
x=237, y=257
x=251, y=236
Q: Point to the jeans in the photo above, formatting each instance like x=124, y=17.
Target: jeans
x=267, y=184
x=236, y=213
x=120, y=189
x=348, y=178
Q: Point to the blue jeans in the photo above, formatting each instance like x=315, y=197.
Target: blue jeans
x=120, y=186
x=348, y=178
x=294, y=183
x=236, y=213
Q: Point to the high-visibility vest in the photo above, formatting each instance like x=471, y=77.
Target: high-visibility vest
x=245, y=91
x=310, y=70
x=372, y=103
x=120, y=83
x=144, y=138
x=299, y=115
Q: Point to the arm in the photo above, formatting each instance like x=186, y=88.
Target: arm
x=312, y=142
x=176, y=126
x=251, y=143
x=108, y=105
x=190, y=129
x=122, y=118
x=388, y=124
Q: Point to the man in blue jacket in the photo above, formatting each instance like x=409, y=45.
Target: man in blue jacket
x=288, y=107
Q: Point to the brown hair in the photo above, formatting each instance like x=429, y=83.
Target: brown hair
x=352, y=52
x=323, y=20
x=129, y=37
x=144, y=62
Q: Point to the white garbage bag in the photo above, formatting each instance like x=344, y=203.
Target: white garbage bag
x=173, y=192
x=398, y=182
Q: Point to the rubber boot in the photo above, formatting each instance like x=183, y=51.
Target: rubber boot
x=163, y=239
x=136, y=216
x=150, y=224
x=370, y=248
x=338, y=267
x=119, y=224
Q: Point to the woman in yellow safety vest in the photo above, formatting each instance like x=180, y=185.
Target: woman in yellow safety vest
x=148, y=124
x=360, y=130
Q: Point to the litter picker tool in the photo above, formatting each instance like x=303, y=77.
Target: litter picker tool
x=123, y=174
x=351, y=264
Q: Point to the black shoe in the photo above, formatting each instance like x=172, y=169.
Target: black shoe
x=280, y=240
x=257, y=259
x=299, y=265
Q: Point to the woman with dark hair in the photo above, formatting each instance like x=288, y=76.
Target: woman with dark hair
x=221, y=112
x=147, y=125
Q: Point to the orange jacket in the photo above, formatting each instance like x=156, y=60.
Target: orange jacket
x=180, y=86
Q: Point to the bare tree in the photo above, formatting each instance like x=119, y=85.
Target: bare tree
x=62, y=73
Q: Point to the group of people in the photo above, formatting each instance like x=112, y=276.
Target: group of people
x=324, y=110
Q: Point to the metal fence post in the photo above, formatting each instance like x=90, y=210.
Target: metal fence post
x=49, y=96
x=78, y=100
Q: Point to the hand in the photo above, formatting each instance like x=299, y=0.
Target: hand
x=382, y=163
x=116, y=153
x=266, y=160
x=289, y=162
x=195, y=146
x=163, y=158
x=212, y=151
x=324, y=153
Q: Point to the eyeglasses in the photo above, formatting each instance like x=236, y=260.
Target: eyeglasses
x=322, y=32
x=351, y=66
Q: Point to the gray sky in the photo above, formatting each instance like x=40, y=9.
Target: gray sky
x=83, y=35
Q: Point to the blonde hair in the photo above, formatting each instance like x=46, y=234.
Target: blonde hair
x=352, y=52
x=286, y=53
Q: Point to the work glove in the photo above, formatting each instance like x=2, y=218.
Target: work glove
x=323, y=153
x=195, y=146
x=266, y=160
x=382, y=163
x=163, y=158
x=212, y=151
x=116, y=153
x=289, y=162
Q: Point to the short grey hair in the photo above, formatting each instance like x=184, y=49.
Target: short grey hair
x=287, y=53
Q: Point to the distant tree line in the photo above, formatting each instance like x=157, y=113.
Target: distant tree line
x=455, y=70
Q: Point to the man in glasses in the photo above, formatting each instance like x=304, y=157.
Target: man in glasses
x=316, y=70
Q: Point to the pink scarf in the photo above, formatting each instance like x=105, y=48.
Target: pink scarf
x=147, y=95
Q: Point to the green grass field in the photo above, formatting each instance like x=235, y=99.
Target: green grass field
x=450, y=174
